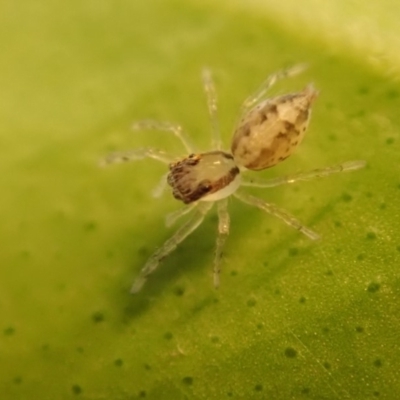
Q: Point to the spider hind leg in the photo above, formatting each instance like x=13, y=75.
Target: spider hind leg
x=277, y=212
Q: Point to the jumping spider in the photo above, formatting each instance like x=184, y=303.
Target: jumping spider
x=268, y=132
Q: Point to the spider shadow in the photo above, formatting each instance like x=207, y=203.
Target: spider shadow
x=196, y=252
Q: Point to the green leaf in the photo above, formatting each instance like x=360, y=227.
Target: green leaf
x=292, y=318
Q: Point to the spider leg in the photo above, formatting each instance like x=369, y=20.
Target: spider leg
x=137, y=154
x=158, y=190
x=305, y=176
x=211, y=94
x=172, y=217
x=166, y=127
x=181, y=234
x=223, y=232
x=269, y=82
x=277, y=212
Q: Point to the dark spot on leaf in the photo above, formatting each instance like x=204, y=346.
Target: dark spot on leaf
x=147, y=367
x=363, y=90
x=392, y=94
x=382, y=206
x=305, y=391
x=373, y=287
x=325, y=330
x=142, y=394
x=90, y=226
x=332, y=138
x=234, y=273
x=293, y=251
x=376, y=393
x=76, y=389
x=80, y=350
x=25, y=253
x=338, y=224
x=302, y=300
x=327, y=365
x=258, y=388
x=214, y=339
x=360, y=257
x=142, y=251
x=97, y=317
x=45, y=347
x=378, y=363
x=290, y=352
x=346, y=197
x=17, y=380
x=9, y=331
x=168, y=335
x=357, y=114
x=389, y=141
x=118, y=362
x=179, y=291
x=187, y=380
x=110, y=254
x=371, y=236
x=251, y=303
x=359, y=329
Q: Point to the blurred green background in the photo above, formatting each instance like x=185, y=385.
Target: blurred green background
x=293, y=319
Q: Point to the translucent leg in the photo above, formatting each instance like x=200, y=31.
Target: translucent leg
x=137, y=154
x=269, y=82
x=160, y=187
x=277, y=212
x=305, y=176
x=181, y=234
x=172, y=217
x=223, y=232
x=211, y=94
x=166, y=127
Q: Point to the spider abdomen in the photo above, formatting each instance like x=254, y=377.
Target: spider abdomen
x=271, y=131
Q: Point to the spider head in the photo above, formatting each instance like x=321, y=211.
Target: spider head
x=207, y=176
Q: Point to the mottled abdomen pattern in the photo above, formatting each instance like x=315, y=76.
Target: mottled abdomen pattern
x=271, y=131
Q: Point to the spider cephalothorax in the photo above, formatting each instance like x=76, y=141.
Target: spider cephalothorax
x=201, y=175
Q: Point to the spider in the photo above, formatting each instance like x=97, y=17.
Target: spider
x=269, y=130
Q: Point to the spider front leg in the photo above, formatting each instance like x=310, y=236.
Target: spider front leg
x=173, y=216
x=166, y=127
x=211, y=94
x=277, y=212
x=137, y=154
x=181, y=234
x=223, y=232
x=269, y=82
